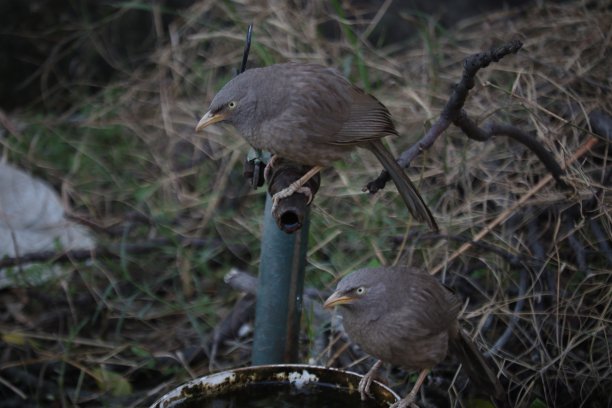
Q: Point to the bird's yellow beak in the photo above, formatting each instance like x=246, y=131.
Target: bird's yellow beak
x=337, y=298
x=209, y=119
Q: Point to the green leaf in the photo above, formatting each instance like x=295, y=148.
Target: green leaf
x=538, y=403
x=114, y=383
x=480, y=403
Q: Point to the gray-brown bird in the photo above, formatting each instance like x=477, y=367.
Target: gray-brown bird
x=312, y=115
x=405, y=317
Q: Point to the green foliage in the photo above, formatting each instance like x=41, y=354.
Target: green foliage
x=480, y=403
x=112, y=382
x=538, y=403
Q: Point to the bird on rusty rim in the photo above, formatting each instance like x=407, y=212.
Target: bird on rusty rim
x=310, y=114
x=404, y=316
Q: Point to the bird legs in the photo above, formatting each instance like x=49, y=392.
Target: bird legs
x=296, y=186
x=408, y=400
x=268, y=168
x=366, y=380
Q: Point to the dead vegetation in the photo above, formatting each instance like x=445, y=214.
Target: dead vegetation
x=123, y=328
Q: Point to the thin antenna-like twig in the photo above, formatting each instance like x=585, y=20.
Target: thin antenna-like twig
x=247, y=48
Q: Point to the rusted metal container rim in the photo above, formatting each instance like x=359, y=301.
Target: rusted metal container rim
x=297, y=375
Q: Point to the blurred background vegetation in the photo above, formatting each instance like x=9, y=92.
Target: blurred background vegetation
x=100, y=100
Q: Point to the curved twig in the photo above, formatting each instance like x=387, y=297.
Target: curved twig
x=452, y=108
x=487, y=131
x=514, y=318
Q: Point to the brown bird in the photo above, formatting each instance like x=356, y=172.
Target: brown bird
x=404, y=316
x=312, y=115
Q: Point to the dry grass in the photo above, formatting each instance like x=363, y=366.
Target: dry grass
x=130, y=154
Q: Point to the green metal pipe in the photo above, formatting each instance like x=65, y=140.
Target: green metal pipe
x=279, y=294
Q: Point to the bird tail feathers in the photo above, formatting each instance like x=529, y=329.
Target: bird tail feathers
x=407, y=190
x=477, y=368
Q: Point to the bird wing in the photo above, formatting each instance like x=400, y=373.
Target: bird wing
x=318, y=101
x=427, y=308
x=368, y=120
x=329, y=108
x=311, y=106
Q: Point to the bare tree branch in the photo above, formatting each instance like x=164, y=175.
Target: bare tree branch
x=453, y=113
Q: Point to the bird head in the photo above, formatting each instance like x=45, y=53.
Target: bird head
x=235, y=103
x=358, y=290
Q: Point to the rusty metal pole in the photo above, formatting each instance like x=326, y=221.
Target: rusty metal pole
x=279, y=294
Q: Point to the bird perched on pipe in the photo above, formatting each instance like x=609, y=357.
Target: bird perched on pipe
x=311, y=115
x=404, y=316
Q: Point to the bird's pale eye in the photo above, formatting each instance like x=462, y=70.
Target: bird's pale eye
x=360, y=290
x=231, y=105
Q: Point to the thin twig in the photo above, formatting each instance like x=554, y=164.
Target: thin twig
x=491, y=129
x=13, y=388
x=537, y=249
x=514, y=319
x=578, y=249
